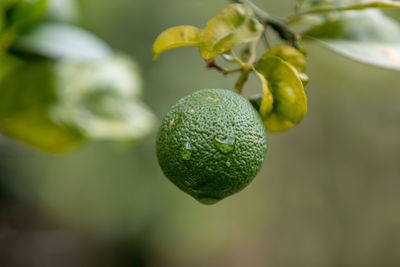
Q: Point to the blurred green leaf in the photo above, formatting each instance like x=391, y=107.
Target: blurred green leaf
x=17, y=16
x=175, y=37
x=7, y=64
x=289, y=99
x=2, y=18
x=26, y=93
x=24, y=13
x=235, y=25
x=366, y=36
x=62, y=41
x=34, y=127
x=62, y=10
x=102, y=100
x=321, y=6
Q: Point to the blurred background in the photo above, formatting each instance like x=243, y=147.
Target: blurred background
x=327, y=195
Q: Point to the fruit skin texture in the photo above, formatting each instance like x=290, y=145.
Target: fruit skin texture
x=211, y=144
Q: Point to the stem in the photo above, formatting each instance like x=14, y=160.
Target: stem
x=280, y=26
x=246, y=68
x=262, y=14
x=227, y=71
x=212, y=64
x=241, y=81
x=266, y=42
x=253, y=54
x=292, y=19
x=236, y=59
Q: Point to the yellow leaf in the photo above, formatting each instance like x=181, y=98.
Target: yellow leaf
x=275, y=124
x=289, y=99
x=175, y=37
x=267, y=98
x=236, y=24
x=291, y=55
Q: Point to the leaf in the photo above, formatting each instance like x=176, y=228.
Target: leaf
x=102, y=100
x=8, y=64
x=366, y=36
x=291, y=55
x=267, y=99
x=276, y=124
x=62, y=41
x=17, y=16
x=26, y=94
x=289, y=99
x=24, y=14
x=321, y=6
x=175, y=37
x=34, y=128
x=235, y=25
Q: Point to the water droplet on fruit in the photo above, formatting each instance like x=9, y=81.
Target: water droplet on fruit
x=225, y=144
x=186, y=151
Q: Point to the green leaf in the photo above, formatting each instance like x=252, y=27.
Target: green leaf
x=102, y=100
x=8, y=64
x=2, y=18
x=35, y=128
x=289, y=99
x=291, y=55
x=267, y=99
x=277, y=124
x=62, y=41
x=366, y=36
x=24, y=13
x=26, y=94
x=321, y=6
x=235, y=25
x=175, y=37
x=17, y=16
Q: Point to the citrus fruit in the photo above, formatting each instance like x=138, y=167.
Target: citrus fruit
x=211, y=144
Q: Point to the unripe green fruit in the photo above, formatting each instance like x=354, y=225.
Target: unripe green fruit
x=211, y=144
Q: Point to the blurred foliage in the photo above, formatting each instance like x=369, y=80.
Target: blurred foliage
x=327, y=194
x=60, y=41
x=368, y=36
x=63, y=10
x=102, y=100
x=26, y=95
x=60, y=84
x=318, y=6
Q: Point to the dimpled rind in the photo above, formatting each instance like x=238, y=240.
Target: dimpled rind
x=211, y=144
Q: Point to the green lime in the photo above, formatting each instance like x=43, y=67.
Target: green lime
x=211, y=144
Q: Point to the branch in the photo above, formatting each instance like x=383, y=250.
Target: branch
x=280, y=26
x=211, y=64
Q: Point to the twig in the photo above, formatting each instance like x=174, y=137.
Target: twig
x=211, y=64
x=280, y=26
x=246, y=68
